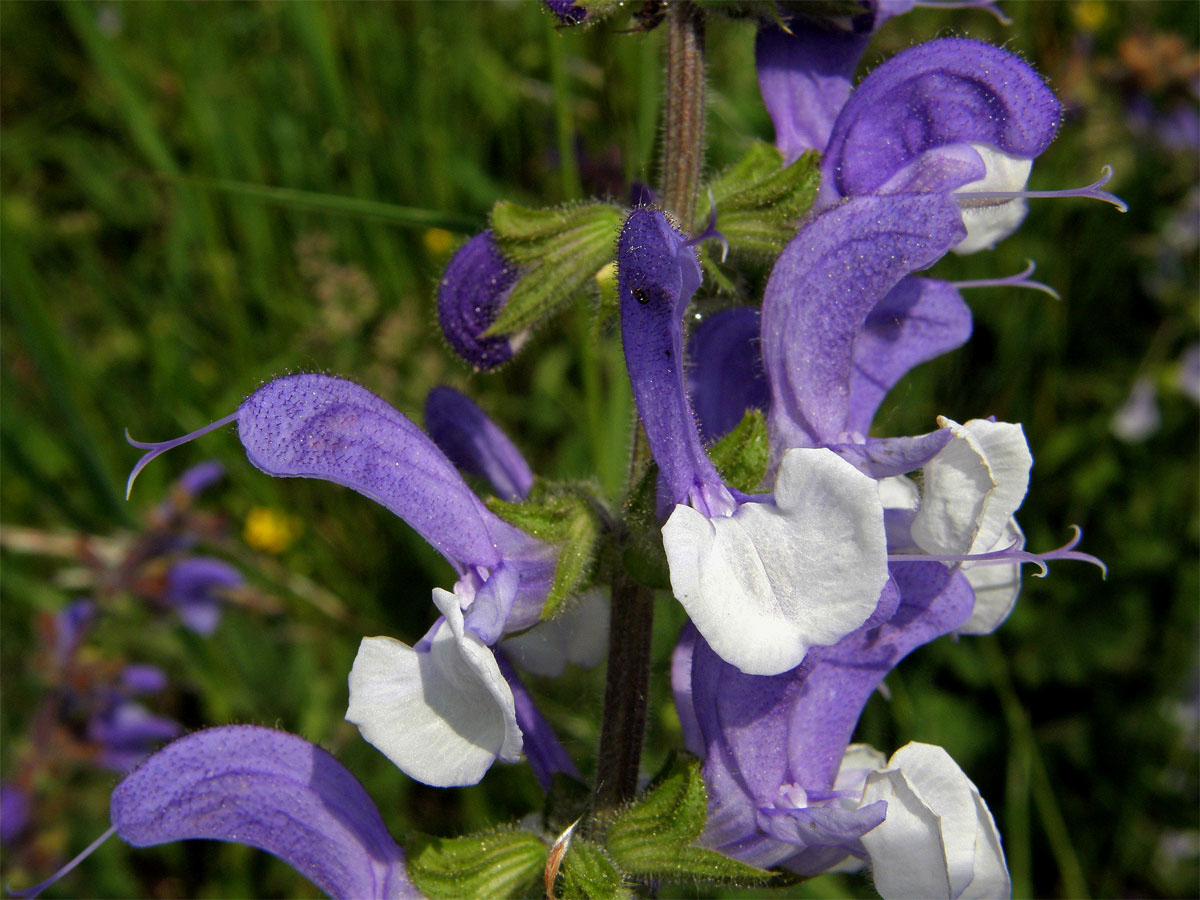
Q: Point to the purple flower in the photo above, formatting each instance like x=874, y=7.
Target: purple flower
x=271, y=790
x=475, y=444
x=194, y=589
x=725, y=370
x=762, y=578
x=473, y=290
x=786, y=788
x=125, y=732
x=14, y=812
x=441, y=711
x=567, y=12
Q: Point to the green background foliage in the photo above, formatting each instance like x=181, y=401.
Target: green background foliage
x=151, y=281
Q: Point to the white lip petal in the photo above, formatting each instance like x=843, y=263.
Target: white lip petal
x=990, y=221
x=768, y=582
x=971, y=489
x=939, y=838
x=442, y=716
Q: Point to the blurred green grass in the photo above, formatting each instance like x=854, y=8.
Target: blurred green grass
x=148, y=282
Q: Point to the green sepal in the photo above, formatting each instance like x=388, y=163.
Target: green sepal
x=642, y=555
x=486, y=865
x=654, y=836
x=742, y=455
x=561, y=250
x=760, y=200
x=588, y=874
x=565, y=518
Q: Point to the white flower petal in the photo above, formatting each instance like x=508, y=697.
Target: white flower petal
x=972, y=487
x=990, y=221
x=442, y=716
x=578, y=635
x=768, y=582
x=996, y=586
x=939, y=839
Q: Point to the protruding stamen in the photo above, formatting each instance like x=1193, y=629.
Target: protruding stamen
x=1091, y=192
x=1021, y=279
x=711, y=232
x=1010, y=554
x=985, y=5
x=157, y=449
x=65, y=870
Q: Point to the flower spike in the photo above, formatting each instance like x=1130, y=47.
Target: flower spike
x=160, y=447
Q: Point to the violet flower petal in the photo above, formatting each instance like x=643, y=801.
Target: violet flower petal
x=886, y=457
x=473, y=290
x=657, y=274
x=271, y=790
x=194, y=587
x=15, y=805
x=947, y=91
x=127, y=732
x=725, y=370
x=919, y=319
x=475, y=444
x=315, y=426
x=143, y=678
x=820, y=293
x=805, y=78
x=200, y=477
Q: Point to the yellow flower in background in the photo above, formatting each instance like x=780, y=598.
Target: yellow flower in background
x=269, y=530
x=438, y=241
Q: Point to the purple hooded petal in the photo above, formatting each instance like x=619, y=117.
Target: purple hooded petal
x=567, y=12
x=315, y=426
x=200, y=477
x=919, y=319
x=657, y=274
x=885, y=457
x=14, y=812
x=725, y=370
x=764, y=733
x=194, y=587
x=70, y=622
x=820, y=293
x=142, y=678
x=947, y=91
x=542, y=748
x=475, y=444
x=473, y=290
x=127, y=732
x=805, y=78
x=270, y=790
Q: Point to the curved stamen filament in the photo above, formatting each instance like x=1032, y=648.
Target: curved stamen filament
x=1092, y=192
x=88, y=851
x=158, y=448
x=1010, y=554
x=1021, y=279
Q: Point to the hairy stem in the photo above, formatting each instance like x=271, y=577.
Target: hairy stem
x=683, y=136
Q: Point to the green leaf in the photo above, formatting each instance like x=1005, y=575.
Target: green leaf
x=485, y=865
x=760, y=200
x=654, y=836
x=588, y=874
x=562, y=250
x=741, y=456
x=562, y=517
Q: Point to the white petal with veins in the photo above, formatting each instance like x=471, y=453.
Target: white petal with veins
x=444, y=715
x=772, y=580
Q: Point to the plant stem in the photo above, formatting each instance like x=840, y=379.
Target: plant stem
x=632, y=616
x=683, y=136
